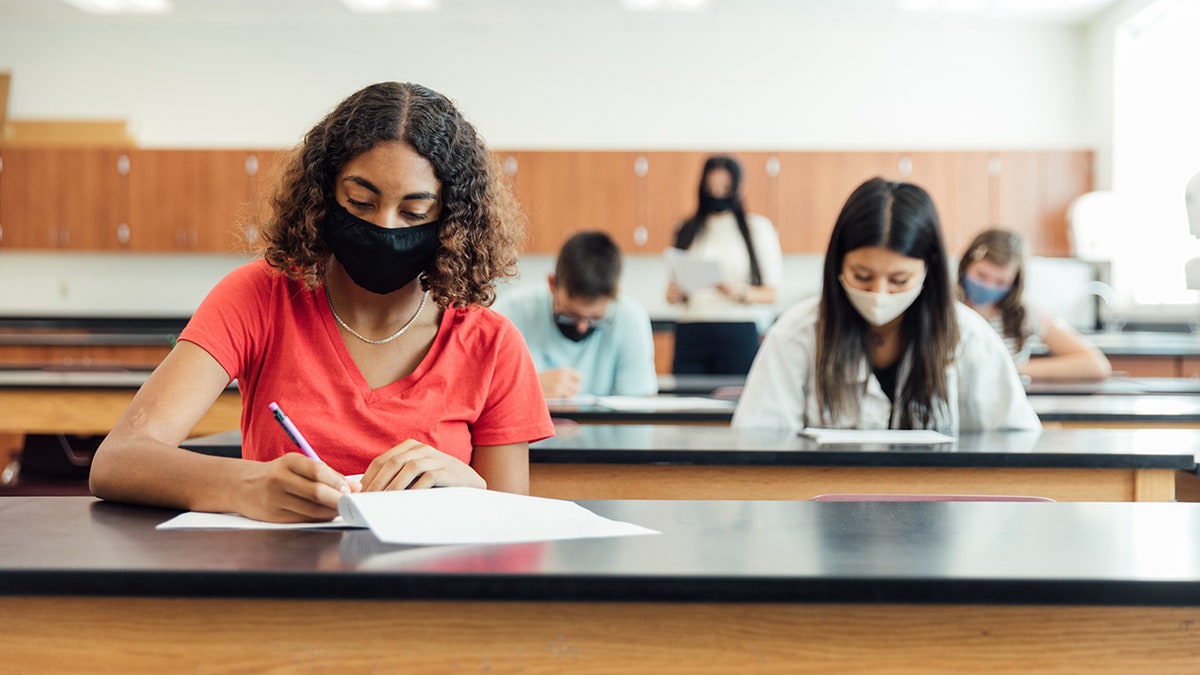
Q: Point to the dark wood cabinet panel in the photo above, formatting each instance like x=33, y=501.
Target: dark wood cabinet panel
x=960, y=187
x=813, y=186
x=189, y=200
x=218, y=200
x=63, y=198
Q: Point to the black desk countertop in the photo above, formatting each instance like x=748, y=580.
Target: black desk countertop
x=737, y=551
x=1145, y=409
x=722, y=446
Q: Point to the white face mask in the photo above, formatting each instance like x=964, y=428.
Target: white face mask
x=880, y=308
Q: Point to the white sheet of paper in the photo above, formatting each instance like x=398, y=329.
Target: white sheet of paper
x=663, y=403
x=692, y=272
x=443, y=516
x=884, y=436
x=472, y=516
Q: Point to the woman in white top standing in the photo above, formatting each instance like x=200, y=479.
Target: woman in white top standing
x=717, y=333
x=885, y=345
x=991, y=277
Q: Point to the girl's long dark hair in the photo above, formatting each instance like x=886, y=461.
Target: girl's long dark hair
x=691, y=228
x=900, y=217
x=1003, y=248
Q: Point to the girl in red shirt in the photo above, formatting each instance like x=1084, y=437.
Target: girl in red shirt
x=366, y=320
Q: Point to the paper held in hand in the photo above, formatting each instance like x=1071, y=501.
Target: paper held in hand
x=451, y=515
x=691, y=272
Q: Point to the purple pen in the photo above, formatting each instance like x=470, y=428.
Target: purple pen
x=292, y=432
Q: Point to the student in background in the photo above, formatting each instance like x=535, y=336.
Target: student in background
x=717, y=333
x=365, y=320
x=885, y=346
x=991, y=278
x=585, y=338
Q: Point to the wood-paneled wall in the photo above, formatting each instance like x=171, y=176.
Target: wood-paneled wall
x=112, y=199
x=640, y=198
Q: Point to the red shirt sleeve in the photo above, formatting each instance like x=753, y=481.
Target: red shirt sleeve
x=230, y=321
x=514, y=408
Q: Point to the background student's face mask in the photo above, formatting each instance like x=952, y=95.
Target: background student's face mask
x=880, y=308
x=983, y=294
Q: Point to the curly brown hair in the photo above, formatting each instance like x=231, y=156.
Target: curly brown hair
x=481, y=223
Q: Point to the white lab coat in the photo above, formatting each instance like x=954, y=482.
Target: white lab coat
x=983, y=387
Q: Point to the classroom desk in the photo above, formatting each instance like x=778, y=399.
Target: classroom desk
x=688, y=462
x=1118, y=386
x=697, y=385
x=1118, y=411
x=713, y=412
x=727, y=587
x=87, y=401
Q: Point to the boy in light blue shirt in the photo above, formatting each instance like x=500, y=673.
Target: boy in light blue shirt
x=584, y=337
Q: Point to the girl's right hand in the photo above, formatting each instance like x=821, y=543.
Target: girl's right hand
x=292, y=489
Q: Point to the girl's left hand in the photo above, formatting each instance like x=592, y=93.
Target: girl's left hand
x=413, y=465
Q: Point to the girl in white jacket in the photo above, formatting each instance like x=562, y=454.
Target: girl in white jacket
x=885, y=345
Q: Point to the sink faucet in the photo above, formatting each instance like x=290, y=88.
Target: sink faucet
x=1106, y=306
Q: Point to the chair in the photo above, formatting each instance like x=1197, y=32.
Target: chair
x=882, y=497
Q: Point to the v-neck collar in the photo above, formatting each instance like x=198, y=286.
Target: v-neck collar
x=334, y=335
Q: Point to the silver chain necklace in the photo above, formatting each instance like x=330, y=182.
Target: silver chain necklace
x=385, y=340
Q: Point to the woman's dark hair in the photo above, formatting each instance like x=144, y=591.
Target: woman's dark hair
x=901, y=218
x=691, y=228
x=481, y=223
x=589, y=266
x=1002, y=248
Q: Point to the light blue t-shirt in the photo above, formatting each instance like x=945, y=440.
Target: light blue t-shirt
x=617, y=359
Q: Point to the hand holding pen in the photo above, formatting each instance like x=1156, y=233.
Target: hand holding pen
x=293, y=433
x=298, y=438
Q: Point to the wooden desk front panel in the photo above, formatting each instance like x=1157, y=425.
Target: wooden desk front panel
x=93, y=411
x=100, y=634
x=634, y=481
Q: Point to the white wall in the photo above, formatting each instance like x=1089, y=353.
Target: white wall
x=752, y=74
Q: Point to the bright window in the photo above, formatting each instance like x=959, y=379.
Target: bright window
x=1156, y=149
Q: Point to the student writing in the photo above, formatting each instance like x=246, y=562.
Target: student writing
x=884, y=345
x=584, y=336
x=991, y=281
x=365, y=319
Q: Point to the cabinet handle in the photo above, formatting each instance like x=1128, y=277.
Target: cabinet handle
x=123, y=165
x=252, y=165
x=995, y=166
x=640, y=235
x=510, y=166
x=905, y=166
x=641, y=167
x=1, y=233
x=772, y=166
x=123, y=234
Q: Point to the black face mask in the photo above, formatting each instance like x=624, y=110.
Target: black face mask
x=379, y=259
x=571, y=331
x=719, y=204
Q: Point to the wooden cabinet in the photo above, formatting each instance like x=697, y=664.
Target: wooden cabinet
x=190, y=200
x=153, y=200
x=63, y=198
x=567, y=192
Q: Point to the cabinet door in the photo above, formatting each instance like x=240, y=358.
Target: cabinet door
x=960, y=187
x=1017, y=196
x=669, y=182
x=63, y=198
x=189, y=200
x=1067, y=174
x=268, y=167
x=567, y=192
x=813, y=186
x=539, y=182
